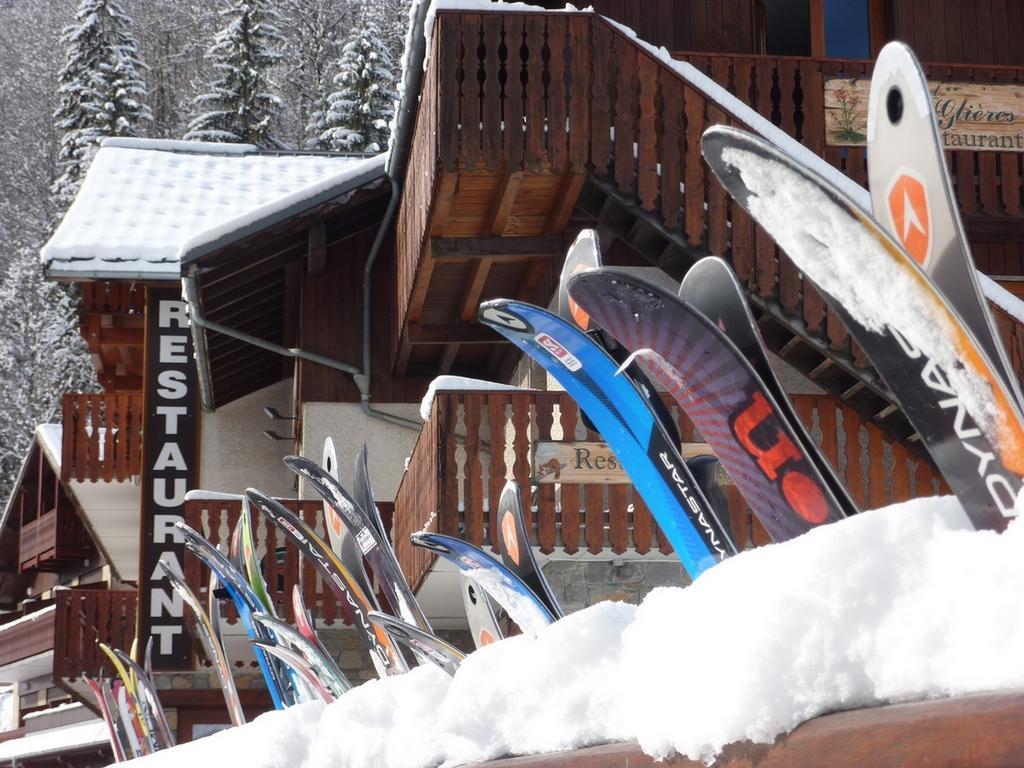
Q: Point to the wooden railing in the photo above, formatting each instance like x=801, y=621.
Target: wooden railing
x=216, y=519
x=102, y=437
x=27, y=637
x=565, y=92
x=54, y=539
x=474, y=441
x=85, y=617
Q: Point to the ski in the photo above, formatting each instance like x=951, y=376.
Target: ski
x=322, y=664
x=507, y=589
x=710, y=286
x=913, y=199
x=585, y=254
x=424, y=644
x=724, y=397
x=626, y=423
x=304, y=621
x=952, y=395
x=153, y=710
x=300, y=666
x=246, y=603
x=135, y=706
x=212, y=645
x=377, y=551
x=108, y=718
x=483, y=625
x=516, y=549
x=342, y=539
x=250, y=560
x=387, y=660
x=362, y=492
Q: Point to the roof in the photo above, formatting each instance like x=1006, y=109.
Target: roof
x=48, y=436
x=92, y=733
x=146, y=204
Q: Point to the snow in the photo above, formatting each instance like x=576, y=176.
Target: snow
x=899, y=604
x=464, y=384
x=143, y=202
x=29, y=617
x=814, y=231
x=68, y=707
x=50, y=437
x=1001, y=297
x=87, y=734
x=201, y=495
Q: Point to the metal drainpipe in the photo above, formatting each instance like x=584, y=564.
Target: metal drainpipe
x=394, y=170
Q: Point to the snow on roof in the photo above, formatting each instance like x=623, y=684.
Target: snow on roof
x=67, y=707
x=88, y=734
x=462, y=383
x=50, y=437
x=144, y=203
x=858, y=613
x=42, y=613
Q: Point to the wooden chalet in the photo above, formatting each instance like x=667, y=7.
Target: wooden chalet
x=328, y=309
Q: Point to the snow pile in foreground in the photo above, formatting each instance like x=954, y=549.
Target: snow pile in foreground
x=896, y=604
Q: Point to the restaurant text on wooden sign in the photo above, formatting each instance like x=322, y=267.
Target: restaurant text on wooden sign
x=971, y=116
x=591, y=462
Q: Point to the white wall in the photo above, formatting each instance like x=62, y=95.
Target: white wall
x=389, y=445
x=234, y=452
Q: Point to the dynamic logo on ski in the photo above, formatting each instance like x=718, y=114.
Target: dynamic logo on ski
x=778, y=460
x=908, y=205
x=563, y=355
x=508, y=533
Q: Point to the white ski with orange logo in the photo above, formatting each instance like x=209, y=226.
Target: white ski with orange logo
x=516, y=549
x=912, y=194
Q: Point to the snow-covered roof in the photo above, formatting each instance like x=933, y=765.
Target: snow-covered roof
x=49, y=438
x=80, y=735
x=146, y=205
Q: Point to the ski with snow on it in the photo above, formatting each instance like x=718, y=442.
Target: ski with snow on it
x=627, y=424
x=516, y=549
x=912, y=194
x=721, y=393
x=953, y=395
x=585, y=254
x=362, y=492
x=710, y=286
x=508, y=590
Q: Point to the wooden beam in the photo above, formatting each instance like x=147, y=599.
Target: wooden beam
x=446, y=188
x=572, y=185
x=504, y=199
x=402, y=356
x=452, y=333
x=421, y=283
x=461, y=248
x=471, y=298
x=316, y=249
x=451, y=351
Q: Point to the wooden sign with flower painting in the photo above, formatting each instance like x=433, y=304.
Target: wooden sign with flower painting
x=972, y=116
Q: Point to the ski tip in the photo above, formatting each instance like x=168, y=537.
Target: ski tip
x=897, y=83
x=502, y=315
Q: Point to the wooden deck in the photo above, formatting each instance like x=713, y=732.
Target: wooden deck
x=533, y=125
x=102, y=437
x=982, y=731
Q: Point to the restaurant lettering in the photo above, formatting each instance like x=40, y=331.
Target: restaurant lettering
x=168, y=471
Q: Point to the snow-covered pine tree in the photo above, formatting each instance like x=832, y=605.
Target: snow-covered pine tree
x=392, y=19
x=360, y=110
x=241, y=105
x=102, y=92
x=42, y=356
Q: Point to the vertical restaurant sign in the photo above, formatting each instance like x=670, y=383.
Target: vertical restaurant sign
x=973, y=116
x=169, y=469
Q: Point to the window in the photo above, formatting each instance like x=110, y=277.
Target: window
x=836, y=29
x=847, y=32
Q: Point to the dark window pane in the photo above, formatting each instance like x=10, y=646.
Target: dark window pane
x=846, y=29
x=788, y=27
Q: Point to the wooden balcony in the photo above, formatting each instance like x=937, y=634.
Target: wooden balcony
x=102, y=437
x=216, y=519
x=85, y=617
x=27, y=637
x=474, y=440
x=54, y=541
x=529, y=120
